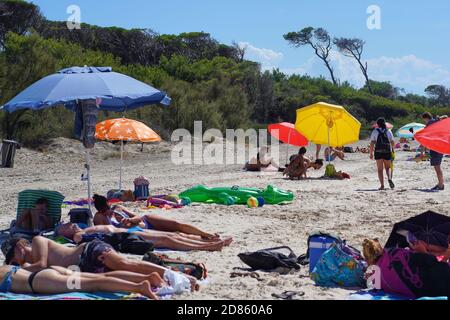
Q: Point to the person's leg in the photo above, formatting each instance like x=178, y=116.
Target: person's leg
x=338, y=154
x=440, y=176
x=117, y=262
x=318, y=149
x=163, y=224
x=387, y=168
x=178, y=243
x=159, y=237
x=154, y=278
x=52, y=282
x=380, y=169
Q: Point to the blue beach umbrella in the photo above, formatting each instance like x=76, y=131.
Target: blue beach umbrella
x=405, y=131
x=114, y=91
x=86, y=90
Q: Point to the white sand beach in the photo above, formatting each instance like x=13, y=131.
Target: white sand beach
x=350, y=208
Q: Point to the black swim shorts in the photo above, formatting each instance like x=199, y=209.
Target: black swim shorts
x=436, y=158
x=91, y=259
x=383, y=156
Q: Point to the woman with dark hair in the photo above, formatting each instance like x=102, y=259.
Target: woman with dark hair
x=382, y=147
x=156, y=228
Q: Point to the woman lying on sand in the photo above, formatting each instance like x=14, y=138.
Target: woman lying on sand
x=120, y=217
x=262, y=162
x=54, y=280
x=161, y=240
x=93, y=257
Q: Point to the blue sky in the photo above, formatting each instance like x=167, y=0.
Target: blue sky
x=411, y=49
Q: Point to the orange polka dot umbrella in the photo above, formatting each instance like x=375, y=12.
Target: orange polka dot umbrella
x=125, y=130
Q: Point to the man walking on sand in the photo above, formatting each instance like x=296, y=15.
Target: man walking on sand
x=436, y=157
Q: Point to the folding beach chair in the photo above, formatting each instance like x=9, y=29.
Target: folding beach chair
x=27, y=200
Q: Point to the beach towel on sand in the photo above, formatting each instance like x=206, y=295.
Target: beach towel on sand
x=73, y=296
x=381, y=295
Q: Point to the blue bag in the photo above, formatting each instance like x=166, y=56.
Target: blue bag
x=340, y=266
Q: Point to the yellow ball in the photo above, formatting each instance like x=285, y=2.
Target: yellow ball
x=252, y=202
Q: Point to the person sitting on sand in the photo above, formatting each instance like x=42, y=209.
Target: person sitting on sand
x=36, y=219
x=299, y=166
x=332, y=153
x=54, y=280
x=120, y=217
x=93, y=257
x=160, y=239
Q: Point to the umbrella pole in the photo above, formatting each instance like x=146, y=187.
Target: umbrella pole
x=121, y=163
x=287, y=149
x=88, y=168
x=329, y=146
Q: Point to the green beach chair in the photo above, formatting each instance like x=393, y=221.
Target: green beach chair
x=28, y=198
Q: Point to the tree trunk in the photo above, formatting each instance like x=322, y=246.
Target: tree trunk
x=364, y=71
x=331, y=71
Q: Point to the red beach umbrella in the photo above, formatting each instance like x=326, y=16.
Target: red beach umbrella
x=286, y=132
x=436, y=137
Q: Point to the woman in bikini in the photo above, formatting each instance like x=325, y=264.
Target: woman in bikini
x=154, y=227
x=56, y=280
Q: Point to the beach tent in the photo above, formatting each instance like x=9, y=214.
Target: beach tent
x=436, y=137
x=125, y=130
x=327, y=124
x=286, y=132
x=405, y=131
x=86, y=90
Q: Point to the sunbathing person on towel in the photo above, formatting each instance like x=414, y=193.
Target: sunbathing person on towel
x=120, y=217
x=92, y=257
x=54, y=280
x=161, y=240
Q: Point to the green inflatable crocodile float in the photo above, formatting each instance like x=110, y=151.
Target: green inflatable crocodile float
x=236, y=195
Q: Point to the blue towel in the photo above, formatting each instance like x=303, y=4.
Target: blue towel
x=71, y=296
x=380, y=295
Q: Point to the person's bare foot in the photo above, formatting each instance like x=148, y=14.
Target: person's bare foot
x=145, y=288
x=208, y=236
x=215, y=246
x=227, y=241
x=156, y=280
x=194, y=285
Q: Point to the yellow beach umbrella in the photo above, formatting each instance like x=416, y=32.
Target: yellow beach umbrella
x=328, y=124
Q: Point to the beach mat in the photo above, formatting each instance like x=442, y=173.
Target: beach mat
x=381, y=295
x=72, y=296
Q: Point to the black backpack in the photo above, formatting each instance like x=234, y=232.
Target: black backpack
x=383, y=144
x=270, y=259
